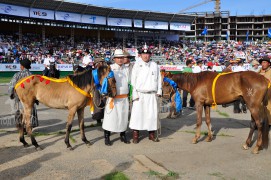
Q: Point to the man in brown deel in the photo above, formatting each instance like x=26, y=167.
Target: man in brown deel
x=266, y=72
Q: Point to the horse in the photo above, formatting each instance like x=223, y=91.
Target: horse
x=72, y=93
x=169, y=95
x=53, y=72
x=211, y=89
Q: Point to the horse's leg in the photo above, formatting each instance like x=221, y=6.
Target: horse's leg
x=20, y=125
x=72, y=112
x=199, y=108
x=28, y=124
x=249, y=138
x=80, y=114
x=256, y=116
x=208, y=123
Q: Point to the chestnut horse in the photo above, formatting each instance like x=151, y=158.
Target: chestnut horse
x=72, y=93
x=210, y=88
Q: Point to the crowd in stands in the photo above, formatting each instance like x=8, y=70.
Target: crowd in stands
x=212, y=52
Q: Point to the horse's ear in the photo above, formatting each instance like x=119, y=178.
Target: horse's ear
x=168, y=74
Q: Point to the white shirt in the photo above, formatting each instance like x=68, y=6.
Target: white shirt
x=196, y=69
x=146, y=77
x=121, y=74
x=48, y=60
x=87, y=60
x=238, y=69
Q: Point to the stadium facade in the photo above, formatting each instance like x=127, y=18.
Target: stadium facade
x=59, y=17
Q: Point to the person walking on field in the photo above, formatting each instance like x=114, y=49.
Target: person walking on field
x=147, y=86
x=117, y=108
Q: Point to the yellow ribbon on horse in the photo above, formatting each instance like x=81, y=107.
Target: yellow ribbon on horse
x=214, y=105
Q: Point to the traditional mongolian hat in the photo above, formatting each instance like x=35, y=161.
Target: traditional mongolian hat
x=26, y=63
x=118, y=53
x=146, y=49
x=265, y=58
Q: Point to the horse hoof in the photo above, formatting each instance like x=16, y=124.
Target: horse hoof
x=39, y=148
x=88, y=144
x=208, y=139
x=26, y=145
x=255, y=151
x=245, y=147
x=70, y=148
x=194, y=141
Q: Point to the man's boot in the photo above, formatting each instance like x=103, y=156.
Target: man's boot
x=123, y=138
x=107, y=138
x=152, y=136
x=135, y=136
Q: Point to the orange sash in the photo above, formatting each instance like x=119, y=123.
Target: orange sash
x=111, y=103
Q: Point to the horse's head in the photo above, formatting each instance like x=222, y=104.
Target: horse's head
x=167, y=90
x=106, y=74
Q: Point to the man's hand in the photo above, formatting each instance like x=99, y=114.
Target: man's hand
x=136, y=99
x=158, y=95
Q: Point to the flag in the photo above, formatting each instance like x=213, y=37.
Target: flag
x=269, y=33
x=247, y=35
x=205, y=31
x=227, y=36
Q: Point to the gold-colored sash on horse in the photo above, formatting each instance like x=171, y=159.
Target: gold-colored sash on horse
x=111, y=101
x=213, y=88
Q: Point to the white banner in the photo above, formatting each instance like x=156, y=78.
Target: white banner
x=34, y=67
x=156, y=25
x=119, y=22
x=93, y=19
x=180, y=26
x=138, y=23
x=66, y=16
x=14, y=10
x=42, y=13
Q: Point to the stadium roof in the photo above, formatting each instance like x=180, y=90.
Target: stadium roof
x=68, y=6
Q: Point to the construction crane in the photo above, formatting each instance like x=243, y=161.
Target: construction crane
x=217, y=6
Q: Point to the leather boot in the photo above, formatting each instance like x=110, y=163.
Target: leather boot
x=107, y=138
x=123, y=138
x=135, y=136
x=152, y=136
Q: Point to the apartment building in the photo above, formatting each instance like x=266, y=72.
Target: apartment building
x=255, y=27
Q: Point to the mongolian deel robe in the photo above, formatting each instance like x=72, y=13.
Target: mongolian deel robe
x=147, y=83
x=116, y=119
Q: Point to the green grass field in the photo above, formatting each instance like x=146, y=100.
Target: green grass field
x=5, y=79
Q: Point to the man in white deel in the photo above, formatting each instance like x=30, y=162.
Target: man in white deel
x=117, y=108
x=87, y=60
x=49, y=59
x=147, y=86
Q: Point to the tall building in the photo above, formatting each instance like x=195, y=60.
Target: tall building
x=239, y=28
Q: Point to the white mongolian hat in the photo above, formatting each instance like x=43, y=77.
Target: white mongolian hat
x=118, y=53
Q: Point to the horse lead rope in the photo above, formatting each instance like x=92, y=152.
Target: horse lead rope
x=213, y=88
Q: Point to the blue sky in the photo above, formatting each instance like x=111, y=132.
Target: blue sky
x=239, y=7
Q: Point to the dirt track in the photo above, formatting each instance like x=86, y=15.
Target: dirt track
x=222, y=158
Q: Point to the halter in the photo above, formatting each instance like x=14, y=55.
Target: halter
x=102, y=88
x=177, y=98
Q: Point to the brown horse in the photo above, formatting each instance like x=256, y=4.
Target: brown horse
x=228, y=88
x=72, y=93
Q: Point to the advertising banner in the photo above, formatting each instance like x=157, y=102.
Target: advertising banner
x=180, y=26
x=119, y=22
x=138, y=23
x=66, y=16
x=14, y=10
x=156, y=25
x=93, y=19
x=42, y=13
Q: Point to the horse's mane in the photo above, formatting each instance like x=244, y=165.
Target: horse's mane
x=82, y=79
x=190, y=79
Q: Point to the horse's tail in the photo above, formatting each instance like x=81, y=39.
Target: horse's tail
x=266, y=117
